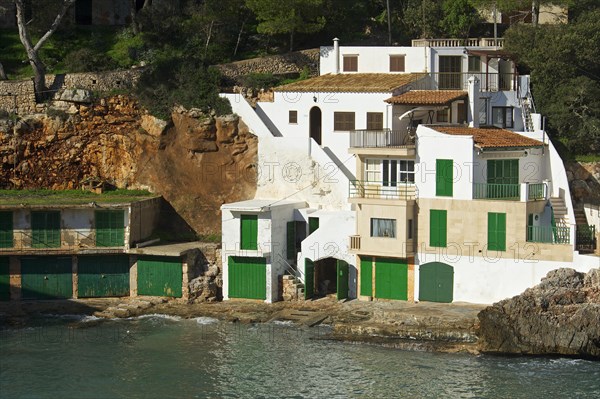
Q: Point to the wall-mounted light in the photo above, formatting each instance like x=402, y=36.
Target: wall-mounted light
x=315, y=99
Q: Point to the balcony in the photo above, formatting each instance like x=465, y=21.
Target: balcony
x=471, y=42
x=404, y=191
x=381, y=138
x=511, y=192
x=488, y=82
x=549, y=235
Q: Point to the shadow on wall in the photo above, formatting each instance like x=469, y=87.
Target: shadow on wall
x=584, y=182
x=172, y=227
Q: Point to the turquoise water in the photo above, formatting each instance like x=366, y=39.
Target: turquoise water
x=161, y=357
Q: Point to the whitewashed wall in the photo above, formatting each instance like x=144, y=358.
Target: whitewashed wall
x=376, y=59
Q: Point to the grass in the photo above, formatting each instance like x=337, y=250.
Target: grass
x=69, y=197
x=588, y=158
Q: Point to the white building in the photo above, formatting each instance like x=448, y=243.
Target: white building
x=342, y=151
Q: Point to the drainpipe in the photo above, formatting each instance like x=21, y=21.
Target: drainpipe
x=336, y=53
x=474, y=87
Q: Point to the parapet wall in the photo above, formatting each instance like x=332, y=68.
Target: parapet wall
x=19, y=96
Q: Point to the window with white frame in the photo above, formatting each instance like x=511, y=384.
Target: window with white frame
x=502, y=117
x=390, y=171
x=373, y=170
x=407, y=171
x=383, y=228
x=474, y=64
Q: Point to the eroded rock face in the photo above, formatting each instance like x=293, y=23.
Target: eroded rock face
x=560, y=316
x=196, y=162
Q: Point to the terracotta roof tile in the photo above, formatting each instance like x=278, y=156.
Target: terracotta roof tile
x=490, y=137
x=428, y=97
x=353, y=82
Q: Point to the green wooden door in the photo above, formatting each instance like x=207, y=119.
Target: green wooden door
x=249, y=232
x=342, y=279
x=46, y=278
x=4, y=279
x=6, y=229
x=436, y=282
x=391, y=278
x=247, y=277
x=110, y=228
x=159, y=276
x=366, y=276
x=444, y=177
x=45, y=229
x=103, y=276
x=309, y=278
x=313, y=224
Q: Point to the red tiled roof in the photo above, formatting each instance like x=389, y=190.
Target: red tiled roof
x=490, y=137
x=428, y=97
x=353, y=82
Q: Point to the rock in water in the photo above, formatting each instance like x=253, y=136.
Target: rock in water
x=559, y=316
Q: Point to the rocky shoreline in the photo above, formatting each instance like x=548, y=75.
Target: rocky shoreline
x=559, y=317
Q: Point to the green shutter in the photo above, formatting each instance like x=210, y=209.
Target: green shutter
x=291, y=241
x=313, y=224
x=497, y=231
x=249, y=232
x=366, y=276
x=6, y=229
x=110, y=228
x=438, y=228
x=45, y=229
x=503, y=171
x=443, y=177
x=309, y=278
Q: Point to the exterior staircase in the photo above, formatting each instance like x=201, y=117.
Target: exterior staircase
x=580, y=218
x=559, y=208
x=527, y=108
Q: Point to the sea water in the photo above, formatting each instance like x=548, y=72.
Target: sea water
x=157, y=356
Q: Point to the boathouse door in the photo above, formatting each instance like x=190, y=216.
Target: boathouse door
x=315, y=124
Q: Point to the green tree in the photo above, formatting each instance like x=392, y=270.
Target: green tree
x=422, y=18
x=565, y=74
x=525, y=7
x=287, y=16
x=459, y=17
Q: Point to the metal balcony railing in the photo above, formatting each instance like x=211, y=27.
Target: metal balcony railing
x=381, y=138
x=382, y=190
x=488, y=82
x=25, y=241
x=511, y=192
x=537, y=191
x=549, y=235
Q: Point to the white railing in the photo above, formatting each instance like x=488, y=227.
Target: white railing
x=470, y=42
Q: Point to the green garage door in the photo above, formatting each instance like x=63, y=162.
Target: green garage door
x=4, y=279
x=436, y=282
x=46, y=278
x=159, y=276
x=103, y=276
x=247, y=277
x=391, y=278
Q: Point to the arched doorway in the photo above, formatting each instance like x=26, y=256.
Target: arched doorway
x=325, y=277
x=436, y=282
x=315, y=124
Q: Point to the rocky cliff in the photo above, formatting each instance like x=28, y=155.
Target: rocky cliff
x=195, y=161
x=560, y=316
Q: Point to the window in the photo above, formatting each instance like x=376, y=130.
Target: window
x=450, y=76
x=502, y=117
x=293, y=117
x=444, y=171
x=6, y=229
x=249, y=232
x=407, y=171
x=410, y=227
x=45, y=229
x=497, y=231
x=396, y=63
x=350, y=63
x=383, y=228
x=313, y=224
x=474, y=64
x=483, y=111
x=461, y=112
x=437, y=227
x=390, y=173
x=373, y=170
x=343, y=121
x=110, y=228
x=443, y=115
x=374, y=120
x=503, y=171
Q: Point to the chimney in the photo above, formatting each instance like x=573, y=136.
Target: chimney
x=474, y=88
x=336, y=54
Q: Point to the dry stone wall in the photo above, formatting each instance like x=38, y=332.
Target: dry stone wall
x=19, y=96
